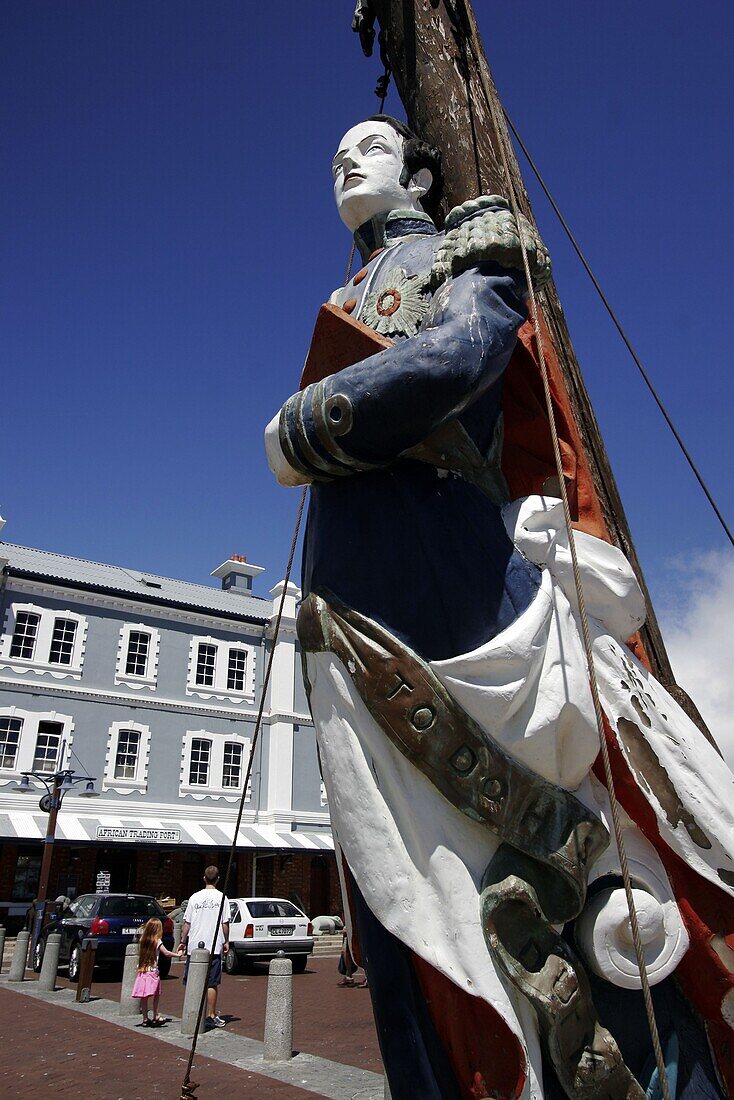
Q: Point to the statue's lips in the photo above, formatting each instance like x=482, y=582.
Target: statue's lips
x=353, y=177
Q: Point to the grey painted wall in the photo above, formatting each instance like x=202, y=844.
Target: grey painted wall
x=93, y=718
x=306, y=775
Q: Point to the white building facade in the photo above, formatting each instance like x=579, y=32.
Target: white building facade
x=153, y=686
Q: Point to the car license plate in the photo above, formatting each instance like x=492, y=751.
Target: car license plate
x=130, y=931
x=283, y=930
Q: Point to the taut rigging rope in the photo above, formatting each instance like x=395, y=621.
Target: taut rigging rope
x=188, y=1087
x=502, y=138
x=615, y=320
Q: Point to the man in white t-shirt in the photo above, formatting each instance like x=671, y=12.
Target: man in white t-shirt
x=200, y=921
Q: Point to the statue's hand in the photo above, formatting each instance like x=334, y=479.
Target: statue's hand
x=284, y=472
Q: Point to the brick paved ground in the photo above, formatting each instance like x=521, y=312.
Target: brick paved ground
x=329, y=1021
x=49, y=1050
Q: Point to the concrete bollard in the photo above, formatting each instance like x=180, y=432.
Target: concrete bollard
x=195, y=984
x=279, y=1011
x=50, y=963
x=130, y=1006
x=20, y=955
x=177, y=930
x=388, y=1094
x=2, y=944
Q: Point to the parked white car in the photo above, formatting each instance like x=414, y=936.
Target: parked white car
x=261, y=927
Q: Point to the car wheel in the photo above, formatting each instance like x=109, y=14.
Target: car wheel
x=231, y=962
x=164, y=966
x=300, y=962
x=38, y=956
x=75, y=961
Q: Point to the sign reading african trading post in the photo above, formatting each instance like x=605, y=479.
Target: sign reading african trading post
x=149, y=836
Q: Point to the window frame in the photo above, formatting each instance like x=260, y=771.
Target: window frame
x=214, y=788
x=40, y=663
x=25, y=755
x=55, y=763
x=197, y=743
x=224, y=647
x=63, y=642
x=128, y=755
x=231, y=744
x=132, y=679
x=10, y=719
x=27, y=617
x=139, y=782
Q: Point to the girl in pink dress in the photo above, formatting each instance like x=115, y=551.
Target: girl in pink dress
x=148, y=981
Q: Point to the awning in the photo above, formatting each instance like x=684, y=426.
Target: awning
x=105, y=829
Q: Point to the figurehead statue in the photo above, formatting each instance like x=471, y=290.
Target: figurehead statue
x=449, y=689
x=381, y=166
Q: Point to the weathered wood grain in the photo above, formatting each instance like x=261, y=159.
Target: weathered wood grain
x=441, y=72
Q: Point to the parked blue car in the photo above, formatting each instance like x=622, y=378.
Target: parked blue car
x=114, y=920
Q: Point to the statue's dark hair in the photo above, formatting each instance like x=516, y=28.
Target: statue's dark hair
x=417, y=154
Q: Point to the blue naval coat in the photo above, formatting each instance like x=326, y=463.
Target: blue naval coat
x=422, y=552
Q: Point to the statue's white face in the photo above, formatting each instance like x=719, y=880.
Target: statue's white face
x=367, y=169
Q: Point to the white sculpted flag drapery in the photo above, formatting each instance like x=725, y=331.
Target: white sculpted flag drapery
x=450, y=694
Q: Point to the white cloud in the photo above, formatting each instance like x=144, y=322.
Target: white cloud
x=699, y=634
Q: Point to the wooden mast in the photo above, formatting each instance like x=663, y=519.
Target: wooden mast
x=441, y=74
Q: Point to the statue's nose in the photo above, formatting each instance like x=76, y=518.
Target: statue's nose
x=351, y=160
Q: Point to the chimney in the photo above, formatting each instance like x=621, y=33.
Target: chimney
x=237, y=574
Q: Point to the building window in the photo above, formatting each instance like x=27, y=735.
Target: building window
x=222, y=669
x=232, y=768
x=137, y=656
x=62, y=642
x=236, y=670
x=24, y=635
x=25, y=881
x=206, y=662
x=38, y=640
x=199, y=763
x=128, y=756
x=213, y=765
x=126, y=759
x=48, y=742
x=138, y=647
x=10, y=731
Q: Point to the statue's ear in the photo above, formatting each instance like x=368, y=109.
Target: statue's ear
x=421, y=183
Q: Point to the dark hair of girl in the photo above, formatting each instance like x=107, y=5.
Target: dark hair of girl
x=417, y=154
x=152, y=935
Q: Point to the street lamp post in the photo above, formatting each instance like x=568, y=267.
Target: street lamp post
x=57, y=785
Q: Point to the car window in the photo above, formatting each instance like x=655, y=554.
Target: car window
x=83, y=906
x=132, y=907
x=234, y=912
x=260, y=909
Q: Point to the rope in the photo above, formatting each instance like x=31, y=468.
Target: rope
x=188, y=1087
x=639, y=950
x=646, y=378
x=351, y=261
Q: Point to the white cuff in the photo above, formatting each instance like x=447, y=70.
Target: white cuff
x=284, y=472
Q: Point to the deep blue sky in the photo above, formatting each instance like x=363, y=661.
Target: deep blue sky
x=169, y=234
